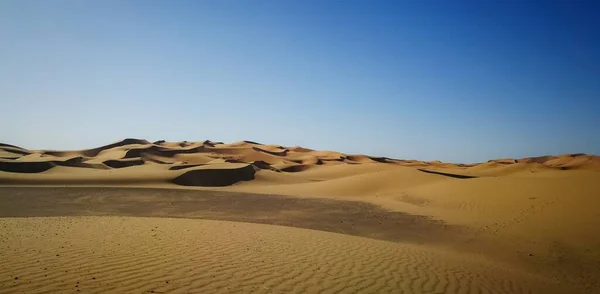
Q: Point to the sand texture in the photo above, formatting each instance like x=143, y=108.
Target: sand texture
x=157, y=255
x=214, y=164
x=525, y=225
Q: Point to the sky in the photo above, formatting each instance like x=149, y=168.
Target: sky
x=459, y=81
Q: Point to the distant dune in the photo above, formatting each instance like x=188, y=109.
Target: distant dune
x=539, y=214
x=182, y=163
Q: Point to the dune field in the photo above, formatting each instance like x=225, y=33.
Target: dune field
x=203, y=217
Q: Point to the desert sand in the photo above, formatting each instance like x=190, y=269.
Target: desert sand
x=143, y=255
x=250, y=217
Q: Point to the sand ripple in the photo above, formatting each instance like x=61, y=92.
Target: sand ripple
x=160, y=255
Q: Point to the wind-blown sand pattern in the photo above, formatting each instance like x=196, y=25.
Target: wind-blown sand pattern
x=150, y=255
x=535, y=220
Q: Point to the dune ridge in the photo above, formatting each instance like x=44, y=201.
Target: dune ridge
x=189, y=156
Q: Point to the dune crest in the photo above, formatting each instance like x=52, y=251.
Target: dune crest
x=209, y=163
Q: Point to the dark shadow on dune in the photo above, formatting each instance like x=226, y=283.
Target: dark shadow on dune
x=215, y=177
x=161, y=151
x=346, y=217
x=259, y=164
x=537, y=159
x=283, y=152
x=457, y=176
x=300, y=149
x=14, y=149
x=8, y=145
x=138, y=152
x=95, y=151
x=380, y=159
x=212, y=144
x=40, y=166
x=296, y=168
x=129, y=141
x=25, y=167
x=123, y=163
x=251, y=142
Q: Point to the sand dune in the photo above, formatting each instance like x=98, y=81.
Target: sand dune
x=366, y=185
x=95, y=151
x=539, y=213
x=12, y=152
x=131, y=152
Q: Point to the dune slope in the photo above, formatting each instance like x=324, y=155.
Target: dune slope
x=539, y=211
x=21, y=166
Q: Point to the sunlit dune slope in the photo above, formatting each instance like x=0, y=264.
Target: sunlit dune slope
x=133, y=161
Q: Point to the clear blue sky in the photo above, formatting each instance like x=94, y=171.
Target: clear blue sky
x=455, y=81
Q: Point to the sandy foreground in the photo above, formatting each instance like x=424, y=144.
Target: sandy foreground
x=201, y=217
x=157, y=255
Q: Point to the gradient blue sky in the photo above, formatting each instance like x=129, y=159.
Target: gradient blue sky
x=455, y=81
